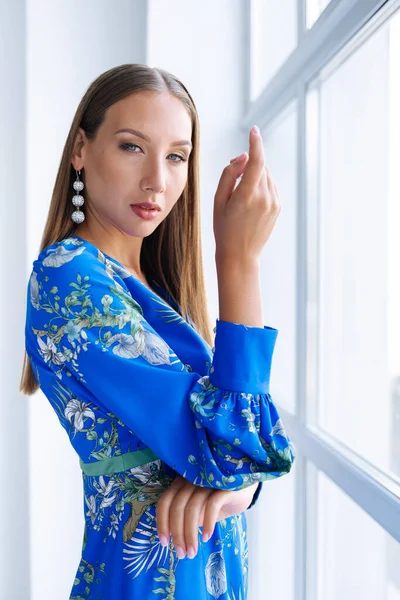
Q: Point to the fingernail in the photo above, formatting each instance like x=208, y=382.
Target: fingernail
x=206, y=536
x=180, y=552
x=237, y=158
x=163, y=540
x=256, y=130
x=191, y=552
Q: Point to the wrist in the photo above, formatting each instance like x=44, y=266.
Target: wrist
x=229, y=265
x=239, y=501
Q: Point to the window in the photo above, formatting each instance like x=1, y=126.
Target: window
x=313, y=10
x=330, y=120
x=278, y=261
x=273, y=38
x=354, y=142
x=356, y=558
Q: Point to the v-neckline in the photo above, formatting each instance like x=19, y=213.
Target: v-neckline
x=112, y=259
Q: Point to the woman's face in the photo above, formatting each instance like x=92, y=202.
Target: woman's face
x=122, y=168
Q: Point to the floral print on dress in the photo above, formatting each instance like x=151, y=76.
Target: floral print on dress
x=143, y=398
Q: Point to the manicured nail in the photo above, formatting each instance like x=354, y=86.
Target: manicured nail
x=256, y=130
x=238, y=158
x=163, y=540
x=206, y=536
x=180, y=552
x=191, y=552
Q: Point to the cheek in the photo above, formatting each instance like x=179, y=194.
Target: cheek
x=174, y=196
x=106, y=186
x=179, y=186
x=182, y=181
x=105, y=171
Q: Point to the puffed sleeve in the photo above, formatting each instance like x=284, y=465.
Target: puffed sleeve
x=220, y=429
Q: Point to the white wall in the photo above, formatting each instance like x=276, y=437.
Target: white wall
x=14, y=486
x=69, y=43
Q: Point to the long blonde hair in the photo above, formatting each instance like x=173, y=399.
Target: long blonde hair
x=172, y=254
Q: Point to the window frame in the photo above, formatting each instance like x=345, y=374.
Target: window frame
x=340, y=29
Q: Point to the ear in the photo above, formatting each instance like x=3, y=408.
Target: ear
x=78, y=153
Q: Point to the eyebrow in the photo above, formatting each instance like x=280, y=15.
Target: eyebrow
x=147, y=139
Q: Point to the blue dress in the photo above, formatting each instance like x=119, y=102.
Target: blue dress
x=143, y=398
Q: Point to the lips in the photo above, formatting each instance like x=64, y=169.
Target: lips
x=148, y=205
x=144, y=213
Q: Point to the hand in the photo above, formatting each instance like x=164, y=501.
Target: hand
x=184, y=507
x=245, y=216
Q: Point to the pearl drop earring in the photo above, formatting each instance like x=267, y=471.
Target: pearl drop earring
x=78, y=216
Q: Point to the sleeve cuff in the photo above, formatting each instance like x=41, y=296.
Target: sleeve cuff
x=242, y=357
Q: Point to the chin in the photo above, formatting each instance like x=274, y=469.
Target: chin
x=140, y=232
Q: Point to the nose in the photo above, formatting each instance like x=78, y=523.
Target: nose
x=153, y=177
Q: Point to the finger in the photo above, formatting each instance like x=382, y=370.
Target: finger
x=255, y=165
x=213, y=507
x=273, y=190
x=263, y=183
x=194, y=508
x=239, y=159
x=163, y=508
x=228, y=179
x=269, y=179
x=268, y=187
x=177, y=519
x=201, y=519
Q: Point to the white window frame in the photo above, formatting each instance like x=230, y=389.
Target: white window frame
x=341, y=25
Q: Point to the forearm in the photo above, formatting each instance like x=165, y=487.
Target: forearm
x=239, y=501
x=240, y=301
x=239, y=292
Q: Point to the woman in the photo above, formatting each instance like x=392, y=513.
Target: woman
x=174, y=437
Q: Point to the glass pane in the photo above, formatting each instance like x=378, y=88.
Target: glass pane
x=356, y=557
x=278, y=260
x=354, y=131
x=271, y=538
x=313, y=9
x=273, y=38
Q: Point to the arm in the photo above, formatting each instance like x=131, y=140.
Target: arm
x=218, y=430
x=239, y=292
x=245, y=307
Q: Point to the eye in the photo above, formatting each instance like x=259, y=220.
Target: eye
x=181, y=158
x=124, y=146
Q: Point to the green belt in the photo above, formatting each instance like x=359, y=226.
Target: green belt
x=114, y=464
